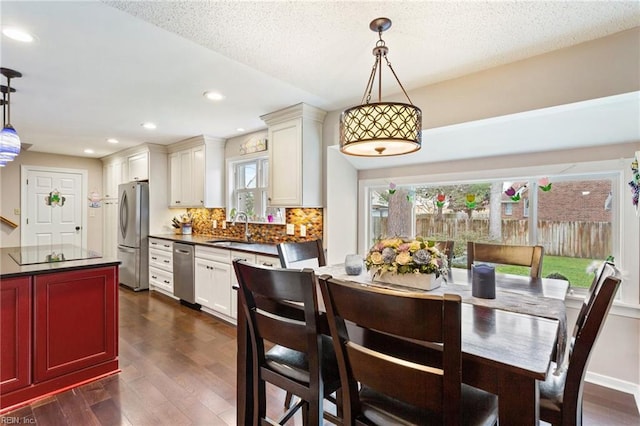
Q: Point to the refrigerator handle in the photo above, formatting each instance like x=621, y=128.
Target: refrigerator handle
x=124, y=214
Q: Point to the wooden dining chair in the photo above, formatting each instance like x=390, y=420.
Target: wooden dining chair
x=281, y=308
x=530, y=256
x=382, y=385
x=306, y=254
x=561, y=393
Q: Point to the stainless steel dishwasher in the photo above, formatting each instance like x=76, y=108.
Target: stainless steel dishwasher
x=183, y=273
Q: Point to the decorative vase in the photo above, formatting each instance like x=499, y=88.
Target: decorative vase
x=353, y=264
x=419, y=281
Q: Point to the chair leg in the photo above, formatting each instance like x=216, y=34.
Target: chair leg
x=314, y=416
x=287, y=400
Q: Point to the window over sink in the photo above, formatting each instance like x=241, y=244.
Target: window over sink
x=249, y=191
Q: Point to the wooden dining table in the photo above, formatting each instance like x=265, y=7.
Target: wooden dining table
x=508, y=343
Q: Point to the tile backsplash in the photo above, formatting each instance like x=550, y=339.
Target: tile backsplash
x=261, y=232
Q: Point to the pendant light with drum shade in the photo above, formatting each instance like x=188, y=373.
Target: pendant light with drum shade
x=380, y=129
x=9, y=139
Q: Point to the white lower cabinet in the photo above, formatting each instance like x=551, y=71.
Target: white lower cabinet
x=216, y=279
x=161, y=265
x=213, y=280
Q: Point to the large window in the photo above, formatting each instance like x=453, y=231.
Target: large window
x=573, y=218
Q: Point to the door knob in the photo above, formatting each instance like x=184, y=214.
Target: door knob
x=77, y=228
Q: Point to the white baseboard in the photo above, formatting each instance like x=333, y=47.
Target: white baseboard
x=617, y=384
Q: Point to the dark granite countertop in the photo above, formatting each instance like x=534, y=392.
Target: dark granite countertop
x=225, y=243
x=39, y=260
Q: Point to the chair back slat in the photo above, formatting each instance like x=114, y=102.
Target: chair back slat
x=307, y=254
x=282, y=331
x=530, y=256
x=354, y=310
x=378, y=370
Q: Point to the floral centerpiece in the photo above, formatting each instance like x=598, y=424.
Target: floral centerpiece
x=414, y=263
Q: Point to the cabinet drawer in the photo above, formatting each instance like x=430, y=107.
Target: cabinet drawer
x=274, y=262
x=165, y=245
x=161, y=278
x=213, y=253
x=161, y=259
x=249, y=257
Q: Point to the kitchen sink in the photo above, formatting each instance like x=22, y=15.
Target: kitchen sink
x=230, y=243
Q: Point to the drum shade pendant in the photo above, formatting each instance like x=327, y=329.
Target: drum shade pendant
x=9, y=139
x=377, y=129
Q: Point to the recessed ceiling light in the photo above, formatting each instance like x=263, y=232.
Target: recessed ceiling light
x=213, y=96
x=89, y=151
x=240, y=129
x=112, y=140
x=18, y=34
x=149, y=125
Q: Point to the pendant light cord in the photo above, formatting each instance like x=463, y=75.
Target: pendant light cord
x=4, y=109
x=8, y=122
x=380, y=50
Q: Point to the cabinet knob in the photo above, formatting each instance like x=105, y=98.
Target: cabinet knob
x=154, y=277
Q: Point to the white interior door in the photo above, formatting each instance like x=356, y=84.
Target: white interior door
x=53, y=207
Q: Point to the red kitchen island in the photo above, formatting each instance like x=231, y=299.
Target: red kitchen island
x=58, y=321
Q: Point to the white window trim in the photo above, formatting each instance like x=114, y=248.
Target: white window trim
x=230, y=164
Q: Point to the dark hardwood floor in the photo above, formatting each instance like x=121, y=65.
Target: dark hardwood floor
x=178, y=368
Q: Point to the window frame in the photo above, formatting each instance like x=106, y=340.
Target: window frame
x=623, y=249
x=262, y=184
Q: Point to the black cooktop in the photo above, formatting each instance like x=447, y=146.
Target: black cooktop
x=32, y=255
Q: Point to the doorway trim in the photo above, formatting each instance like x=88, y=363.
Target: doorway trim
x=25, y=169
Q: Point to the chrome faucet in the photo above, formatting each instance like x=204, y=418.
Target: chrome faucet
x=247, y=234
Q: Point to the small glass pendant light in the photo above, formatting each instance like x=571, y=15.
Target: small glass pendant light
x=9, y=139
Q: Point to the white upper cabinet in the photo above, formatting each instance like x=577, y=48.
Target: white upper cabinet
x=196, y=176
x=184, y=188
x=114, y=173
x=138, y=165
x=295, y=156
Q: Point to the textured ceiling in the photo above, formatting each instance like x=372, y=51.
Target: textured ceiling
x=99, y=69
x=324, y=47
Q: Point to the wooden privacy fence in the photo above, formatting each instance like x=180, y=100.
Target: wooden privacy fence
x=587, y=240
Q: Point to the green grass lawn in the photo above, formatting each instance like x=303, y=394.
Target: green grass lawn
x=574, y=269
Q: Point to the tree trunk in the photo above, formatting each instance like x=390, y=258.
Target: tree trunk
x=495, y=212
x=399, y=221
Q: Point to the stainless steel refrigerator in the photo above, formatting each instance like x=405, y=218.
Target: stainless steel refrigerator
x=133, y=234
